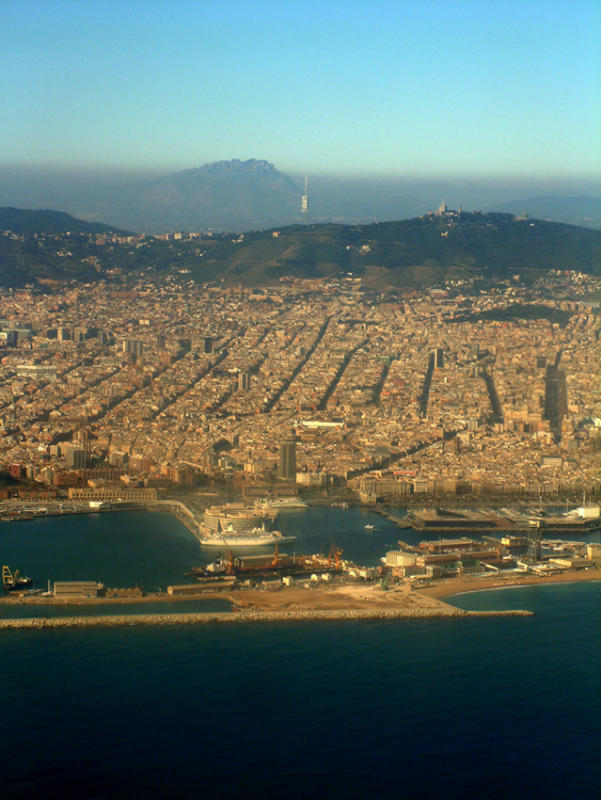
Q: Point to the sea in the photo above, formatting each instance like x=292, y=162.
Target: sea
x=453, y=708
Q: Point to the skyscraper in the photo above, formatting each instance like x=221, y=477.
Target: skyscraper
x=287, y=465
x=75, y=457
x=556, y=397
x=133, y=347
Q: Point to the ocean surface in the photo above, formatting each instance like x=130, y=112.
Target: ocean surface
x=453, y=708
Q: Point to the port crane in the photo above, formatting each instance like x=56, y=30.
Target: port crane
x=13, y=580
x=8, y=578
x=334, y=555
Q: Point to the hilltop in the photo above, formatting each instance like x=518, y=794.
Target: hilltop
x=28, y=221
x=417, y=252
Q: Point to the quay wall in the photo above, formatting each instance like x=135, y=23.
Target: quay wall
x=115, y=620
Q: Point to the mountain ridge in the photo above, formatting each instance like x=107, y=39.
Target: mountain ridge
x=582, y=210
x=420, y=251
x=27, y=220
x=252, y=194
x=220, y=195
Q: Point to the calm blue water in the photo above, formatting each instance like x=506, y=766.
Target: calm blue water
x=137, y=548
x=131, y=548
x=414, y=709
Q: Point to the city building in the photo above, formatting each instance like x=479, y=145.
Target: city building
x=287, y=462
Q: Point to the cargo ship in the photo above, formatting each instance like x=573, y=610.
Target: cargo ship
x=268, y=564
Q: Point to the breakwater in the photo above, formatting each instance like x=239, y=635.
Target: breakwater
x=116, y=620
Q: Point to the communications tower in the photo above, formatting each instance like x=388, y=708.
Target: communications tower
x=305, y=199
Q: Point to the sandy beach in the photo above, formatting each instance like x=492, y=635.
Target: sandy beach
x=345, y=601
x=451, y=586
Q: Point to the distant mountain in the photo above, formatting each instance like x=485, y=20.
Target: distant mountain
x=224, y=195
x=253, y=195
x=26, y=221
x=584, y=210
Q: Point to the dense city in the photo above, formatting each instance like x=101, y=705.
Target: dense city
x=147, y=383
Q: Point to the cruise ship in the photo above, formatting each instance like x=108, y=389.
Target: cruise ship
x=239, y=516
x=238, y=525
x=257, y=537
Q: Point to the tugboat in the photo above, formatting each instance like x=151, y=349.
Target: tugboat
x=13, y=582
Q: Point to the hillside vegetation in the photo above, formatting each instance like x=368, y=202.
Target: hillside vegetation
x=30, y=221
x=414, y=252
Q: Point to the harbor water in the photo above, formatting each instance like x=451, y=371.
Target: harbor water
x=153, y=550
x=460, y=708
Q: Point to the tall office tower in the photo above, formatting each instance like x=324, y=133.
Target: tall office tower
x=556, y=397
x=208, y=344
x=80, y=438
x=133, y=347
x=287, y=465
x=438, y=357
x=243, y=381
x=305, y=199
x=75, y=457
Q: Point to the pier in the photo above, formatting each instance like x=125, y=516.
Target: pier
x=235, y=617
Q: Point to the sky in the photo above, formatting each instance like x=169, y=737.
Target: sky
x=478, y=88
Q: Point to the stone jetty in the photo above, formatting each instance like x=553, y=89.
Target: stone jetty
x=207, y=618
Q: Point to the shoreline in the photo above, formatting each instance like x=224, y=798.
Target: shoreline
x=457, y=586
x=342, y=598
x=521, y=586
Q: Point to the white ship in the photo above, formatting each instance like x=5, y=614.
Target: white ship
x=237, y=525
x=241, y=517
x=230, y=537
x=279, y=504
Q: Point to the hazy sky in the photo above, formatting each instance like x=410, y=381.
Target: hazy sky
x=482, y=88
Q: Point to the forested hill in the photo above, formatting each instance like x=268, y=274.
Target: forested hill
x=29, y=221
x=495, y=243
x=418, y=252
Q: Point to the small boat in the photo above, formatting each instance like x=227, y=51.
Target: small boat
x=370, y=527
